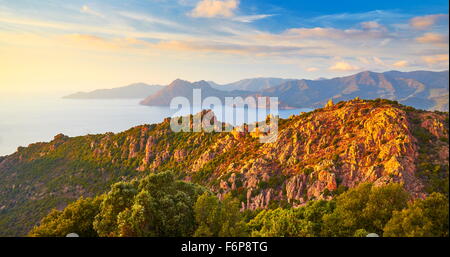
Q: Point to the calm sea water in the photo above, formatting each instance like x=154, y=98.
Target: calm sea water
x=28, y=120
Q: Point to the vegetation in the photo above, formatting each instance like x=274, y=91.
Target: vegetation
x=423, y=218
x=218, y=218
x=159, y=205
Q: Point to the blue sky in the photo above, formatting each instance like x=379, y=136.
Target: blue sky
x=71, y=45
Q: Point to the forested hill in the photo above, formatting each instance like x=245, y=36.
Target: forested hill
x=318, y=155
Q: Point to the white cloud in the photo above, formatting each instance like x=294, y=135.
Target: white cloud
x=371, y=15
x=251, y=18
x=343, y=66
x=215, y=8
x=86, y=9
x=150, y=19
x=423, y=22
x=332, y=33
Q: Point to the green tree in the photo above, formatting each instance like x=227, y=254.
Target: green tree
x=276, y=223
x=382, y=202
x=360, y=233
x=218, y=218
x=119, y=198
x=233, y=224
x=423, y=218
x=77, y=218
x=364, y=207
x=305, y=221
x=312, y=216
x=163, y=206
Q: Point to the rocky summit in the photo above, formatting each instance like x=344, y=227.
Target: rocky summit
x=317, y=155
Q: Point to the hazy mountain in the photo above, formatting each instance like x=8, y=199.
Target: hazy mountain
x=420, y=89
x=254, y=84
x=185, y=88
x=137, y=90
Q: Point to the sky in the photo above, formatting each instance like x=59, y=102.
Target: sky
x=64, y=46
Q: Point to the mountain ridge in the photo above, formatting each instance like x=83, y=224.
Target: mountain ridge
x=185, y=88
x=251, y=84
x=426, y=90
x=132, y=91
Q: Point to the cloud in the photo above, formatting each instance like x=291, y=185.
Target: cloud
x=137, y=33
x=215, y=8
x=371, y=25
x=371, y=15
x=378, y=61
x=385, y=41
x=88, y=41
x=343, y=66
x=150, y=19
x=227, y=48
x=332, y=33
x=423, y=22
x=400, y=64
x=432, y=38
x=88, y=10
x=312, y=69
x=433, y=59
x=363, y=60
x=122, y=43
x=251, y=18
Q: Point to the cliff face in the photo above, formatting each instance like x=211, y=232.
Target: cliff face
x=317, y=155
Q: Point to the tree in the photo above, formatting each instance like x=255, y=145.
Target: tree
x=233, y=224
x=312, y=214
x=162, y=206
x=305, y=221
x=156, y=205
x=169, y=215
x=76, y=218
x=119, y=198
x=423, y=218
x=382, y=202
x=276, y=223
x=365, y=207
x=218, y=218
x=348, y=215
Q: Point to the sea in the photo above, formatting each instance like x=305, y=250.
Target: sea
x=26, y=120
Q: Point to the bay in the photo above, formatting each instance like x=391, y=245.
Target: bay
x=26, y=120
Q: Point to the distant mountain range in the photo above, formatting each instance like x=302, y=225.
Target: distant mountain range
x=184, y=88
x=253, y=85
x=420, y=89
x=426, y=90
x=137, y=90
